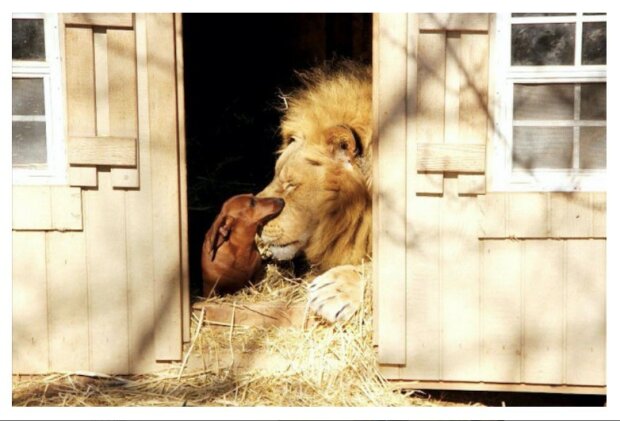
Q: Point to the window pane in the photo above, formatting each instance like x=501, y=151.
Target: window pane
x=594, y=47
x=593, y=101
x=543, y=44
x=28, y=39
x=28, y=97
x=592, y=148
x=29, y=143
x=542, y=147
x=554, y=101
x=520, y=15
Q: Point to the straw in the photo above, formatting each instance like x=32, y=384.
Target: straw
x=227, y=364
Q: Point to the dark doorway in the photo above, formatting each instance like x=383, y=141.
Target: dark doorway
x=235, y=67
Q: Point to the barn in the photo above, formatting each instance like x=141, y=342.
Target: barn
x=489, y=204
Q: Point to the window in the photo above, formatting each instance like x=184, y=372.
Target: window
x=551, y=102
x=37, y=130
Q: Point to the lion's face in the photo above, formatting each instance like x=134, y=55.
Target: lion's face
x=318, y=178
x=296, y=182
x=323, y=171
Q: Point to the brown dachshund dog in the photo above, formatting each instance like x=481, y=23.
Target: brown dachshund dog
x=230, y=258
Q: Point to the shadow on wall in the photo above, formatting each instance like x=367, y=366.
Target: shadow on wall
x=537, y=335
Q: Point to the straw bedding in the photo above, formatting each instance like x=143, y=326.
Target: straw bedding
x=233, y=365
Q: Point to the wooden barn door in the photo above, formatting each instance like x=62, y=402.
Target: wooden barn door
x=473, y=289
x=113, y=289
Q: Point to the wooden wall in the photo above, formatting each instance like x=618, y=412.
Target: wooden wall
x=100, y=265
x=474, y=290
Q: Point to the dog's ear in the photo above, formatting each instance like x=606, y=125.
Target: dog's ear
x=221, y=232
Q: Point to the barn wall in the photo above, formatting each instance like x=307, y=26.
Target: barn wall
x=503, y=288
x=98, y=266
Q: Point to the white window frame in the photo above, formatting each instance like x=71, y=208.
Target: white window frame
x=55, y=171
x=503, y=177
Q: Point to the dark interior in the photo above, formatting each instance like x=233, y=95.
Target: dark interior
x=235, y=67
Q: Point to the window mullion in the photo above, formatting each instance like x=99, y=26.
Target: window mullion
x=509, y=117
x=28, y=118
x=530, y=20
x=578, y=39
x=558, y=123
x=576, y=129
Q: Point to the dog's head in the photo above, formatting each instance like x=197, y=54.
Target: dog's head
x=244, y=214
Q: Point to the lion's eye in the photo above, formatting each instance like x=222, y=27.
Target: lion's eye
x=289, y=187
x=343, y=145
x=291, y=140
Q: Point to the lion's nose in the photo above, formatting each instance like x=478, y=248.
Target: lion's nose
x=270, y=191
x=266, y=192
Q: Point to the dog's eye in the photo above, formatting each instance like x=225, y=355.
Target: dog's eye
x=343, y=145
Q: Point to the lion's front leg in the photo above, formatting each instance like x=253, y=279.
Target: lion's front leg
x=338, y=293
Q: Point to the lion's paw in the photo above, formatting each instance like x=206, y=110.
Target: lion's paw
x=337, y=294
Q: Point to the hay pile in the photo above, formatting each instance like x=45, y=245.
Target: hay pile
x=319, y=365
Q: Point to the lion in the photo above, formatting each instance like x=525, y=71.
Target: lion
x=324, y=174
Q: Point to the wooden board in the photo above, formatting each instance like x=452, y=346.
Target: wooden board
x=542, y=215
x=139, y=231
x=376, y=282
x=80, y=81
x=453, y=88
x=104, y=226
x=492, y=222
x=428, y=183
x=431, y=68
x=125, y=178
x=66, y=208
x=451, y=157
x=185, y=287
x=499, y=387
x=543, y=311
x=32, y=208
x=120, y=20
x=47, y=208
x=492, y=116
x=473, y=94
x=116, y=151
x=102, y=91
x=472, y=184
x=571, y=215
x=122, y=97
x=500, y=317
x=165, y=185
x=264, y=315
x=30, y=330
x=391, y=206
x=423, y=289
x=411, y=189
x=67, y=301
x=527, y=215
x=459, y=286
x=599, y=215
x=585, y=312
x=460, y=22
x=82, y=176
